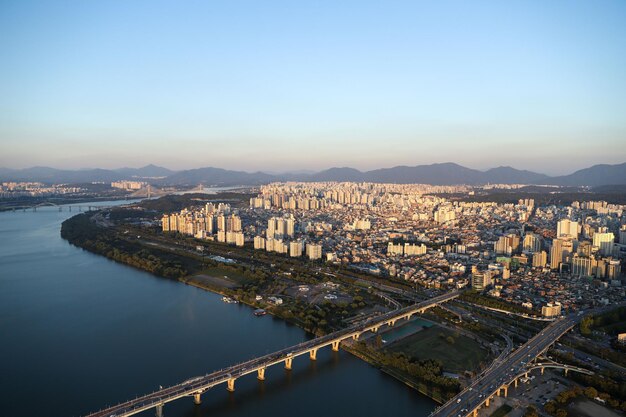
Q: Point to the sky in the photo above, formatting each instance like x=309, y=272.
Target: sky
x=308, y=85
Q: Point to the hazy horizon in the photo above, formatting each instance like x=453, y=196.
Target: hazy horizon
x=290, y=86
x=300, y=170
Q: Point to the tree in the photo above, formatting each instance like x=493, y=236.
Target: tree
x=561, y=412
x=585, y=325
x=379, y=341
x=591, y=392
x=531, y=411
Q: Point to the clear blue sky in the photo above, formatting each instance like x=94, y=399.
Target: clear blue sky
x=312, y=84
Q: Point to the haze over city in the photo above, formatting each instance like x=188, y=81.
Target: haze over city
x=285, y=86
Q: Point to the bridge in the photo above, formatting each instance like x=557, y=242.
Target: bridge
x=34, y=207
x=195, y=387
x=504, y=372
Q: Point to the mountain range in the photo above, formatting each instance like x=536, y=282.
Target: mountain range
x=436, y=174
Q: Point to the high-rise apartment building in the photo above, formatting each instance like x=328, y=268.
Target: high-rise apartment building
x=556, y=254
x=604, y=243
x=314, y=251
x=259, y=242
x=540, y=259
x=567, y=228
x=583, y=267
x=295, y=248
x=481, y=280
x=532, y=243
x=412, y=250
x=506, y=245
x=393, y=250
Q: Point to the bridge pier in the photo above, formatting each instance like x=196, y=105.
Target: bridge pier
x=475, y=412
x=487, y=401
x=159, y=410
x=506, y=391
x=231, y=385
x=515, y=382
x=356, y=336
x=375, y=329
x=313, y=354
x=288, y=363
x=542, y=368
x=336, y=346
x=196, y=399
x=390, y=323
x=261, y=374
x=565, y=371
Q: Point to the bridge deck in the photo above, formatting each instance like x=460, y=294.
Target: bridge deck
x=505, y=372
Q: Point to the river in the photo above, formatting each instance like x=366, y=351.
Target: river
x=79, y=332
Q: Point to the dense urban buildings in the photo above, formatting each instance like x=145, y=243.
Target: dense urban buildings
x=548, y=256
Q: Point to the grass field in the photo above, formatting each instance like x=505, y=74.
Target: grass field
x=502, y=411
x=223, y=273
x=457, y=353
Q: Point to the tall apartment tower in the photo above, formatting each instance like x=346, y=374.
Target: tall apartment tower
x=567, y=228
x=556, y=254
x=604, y=241
x=540, y=259
x=532, y=243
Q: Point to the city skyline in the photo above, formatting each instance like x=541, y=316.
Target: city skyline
x=245, y=86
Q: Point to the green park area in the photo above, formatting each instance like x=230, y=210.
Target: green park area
x=456, y=352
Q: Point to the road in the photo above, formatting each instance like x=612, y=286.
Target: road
x=504, y=371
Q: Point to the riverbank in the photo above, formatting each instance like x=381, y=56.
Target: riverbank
x=346, y=345
x=86, y=234
x=64, y=306
x=405, y=379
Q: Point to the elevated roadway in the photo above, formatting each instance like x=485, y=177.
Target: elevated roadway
x=504, y=372
x=195, y=387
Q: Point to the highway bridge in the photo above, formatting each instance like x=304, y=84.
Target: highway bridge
x=508, y=370
x=68, y=207
x=195, y=387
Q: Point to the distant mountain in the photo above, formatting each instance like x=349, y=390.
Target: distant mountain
x=6, y=171
x=217, y=176
x=508, y=175
x=149, y=171
x=58, y=176
x=337, y=174
x=594, y=176
x=436, y=174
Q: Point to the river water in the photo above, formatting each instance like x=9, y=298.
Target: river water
x=79, y=332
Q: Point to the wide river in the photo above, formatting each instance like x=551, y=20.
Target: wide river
x=79, y=332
